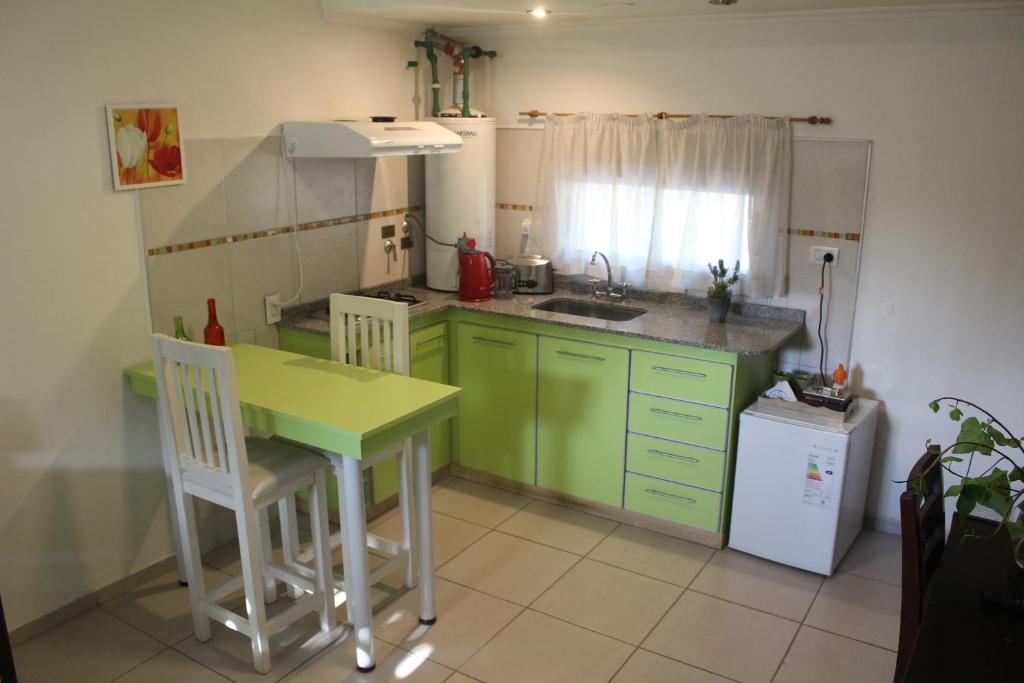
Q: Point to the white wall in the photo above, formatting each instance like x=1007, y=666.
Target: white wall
x=939, y=93
x=81, y=497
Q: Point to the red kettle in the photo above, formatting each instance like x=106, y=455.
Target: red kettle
x=476, y=271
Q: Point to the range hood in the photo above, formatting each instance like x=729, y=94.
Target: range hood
x=333, y=139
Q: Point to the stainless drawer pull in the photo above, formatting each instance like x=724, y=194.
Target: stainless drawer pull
x=674, y=456
x=421, y=342
x=579, y=355
x=670, y=413
x=499, y=342
x=676, y=371
x=684, y=499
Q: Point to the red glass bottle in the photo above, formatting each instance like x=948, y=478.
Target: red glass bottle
x=213, y=333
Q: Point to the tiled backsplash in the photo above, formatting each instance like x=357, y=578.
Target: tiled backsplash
x=235, y=229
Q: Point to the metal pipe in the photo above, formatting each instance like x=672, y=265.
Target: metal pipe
x=435, y=84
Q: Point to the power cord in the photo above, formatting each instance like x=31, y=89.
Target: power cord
x=405, y=225
x=826, y=259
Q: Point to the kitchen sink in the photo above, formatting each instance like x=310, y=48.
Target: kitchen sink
x=590, y=309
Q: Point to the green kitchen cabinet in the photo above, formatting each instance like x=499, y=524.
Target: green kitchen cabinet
x=581, y=418
x=428, y=356
x=497, y=425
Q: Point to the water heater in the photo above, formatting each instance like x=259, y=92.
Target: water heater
x=460, y=198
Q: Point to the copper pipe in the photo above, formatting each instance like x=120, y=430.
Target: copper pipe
x=812, y=120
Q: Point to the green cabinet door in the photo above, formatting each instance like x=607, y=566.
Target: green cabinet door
x=581, y=419
x=428, y=359
x=497, y=370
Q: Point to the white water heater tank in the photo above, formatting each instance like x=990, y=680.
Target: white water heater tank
x=460, y=198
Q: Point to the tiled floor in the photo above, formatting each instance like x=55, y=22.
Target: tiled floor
x=529, y=591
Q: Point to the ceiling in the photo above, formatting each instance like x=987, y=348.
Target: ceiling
x=478, y=13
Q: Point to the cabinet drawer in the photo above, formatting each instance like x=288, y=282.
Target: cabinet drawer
x=674, y=502
x=428, y=341
x=675, y=461
x=688, y=379
x=679, y=421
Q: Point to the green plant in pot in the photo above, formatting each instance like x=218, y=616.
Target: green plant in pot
x=1000, y=485
x=720, y=291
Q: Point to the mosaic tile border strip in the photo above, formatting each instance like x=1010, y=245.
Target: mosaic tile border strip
x=283, y=230
x=514, y=207
x=827, y=234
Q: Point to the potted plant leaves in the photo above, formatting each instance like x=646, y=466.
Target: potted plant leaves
x=720, y=291
x=1000, y=485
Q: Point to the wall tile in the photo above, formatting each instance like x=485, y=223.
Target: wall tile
x=259, y=185
x=518, y=156
x=324, y=188
x=193, y=211
x=382, y=183
x=267, y=336
x=376, y=267
x=180, y=283
x=260, y=268
x=330, y=261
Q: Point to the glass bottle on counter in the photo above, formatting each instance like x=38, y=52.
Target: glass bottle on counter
x=214, y=333
x=179, y=329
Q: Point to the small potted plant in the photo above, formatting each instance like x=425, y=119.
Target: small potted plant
x=720, y=291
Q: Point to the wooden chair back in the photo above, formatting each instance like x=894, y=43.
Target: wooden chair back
x=197, y=399
x=923, y=526
x=370, y=333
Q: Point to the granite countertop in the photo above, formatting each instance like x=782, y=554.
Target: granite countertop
x=677, y=319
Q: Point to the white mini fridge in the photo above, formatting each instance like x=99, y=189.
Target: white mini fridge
x=800, y=487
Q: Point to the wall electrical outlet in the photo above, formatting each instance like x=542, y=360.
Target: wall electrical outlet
x=387, y=231
x=273, y=305
x=407, y=243
x=818, y=254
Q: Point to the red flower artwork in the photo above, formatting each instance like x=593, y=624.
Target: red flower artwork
x=167, y=161
x=148, y=121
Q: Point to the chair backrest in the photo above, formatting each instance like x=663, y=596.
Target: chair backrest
x=199, y=411
x=923, y=526
x=371, y=333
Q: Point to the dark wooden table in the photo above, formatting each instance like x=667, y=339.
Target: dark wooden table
x=960, y=638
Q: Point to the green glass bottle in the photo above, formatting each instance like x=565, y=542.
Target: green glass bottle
x=179, y=329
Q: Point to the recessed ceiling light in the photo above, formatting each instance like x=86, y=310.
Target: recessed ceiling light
x=539, y=12
x=723, y=2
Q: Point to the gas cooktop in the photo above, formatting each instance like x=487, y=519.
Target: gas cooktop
x=400, y=297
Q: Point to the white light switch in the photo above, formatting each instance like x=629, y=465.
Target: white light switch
x=818, y=254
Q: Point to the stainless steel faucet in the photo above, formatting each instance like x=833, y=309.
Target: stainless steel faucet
x=608, y=289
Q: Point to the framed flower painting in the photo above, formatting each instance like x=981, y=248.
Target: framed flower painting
x=145, y=146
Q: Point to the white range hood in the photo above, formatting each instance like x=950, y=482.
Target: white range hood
x=333, y=139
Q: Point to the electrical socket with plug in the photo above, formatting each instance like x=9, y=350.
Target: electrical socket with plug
x=818, y=254
x=273, y=306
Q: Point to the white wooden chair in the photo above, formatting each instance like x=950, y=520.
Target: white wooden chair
x=209, y=458
x=372, y=333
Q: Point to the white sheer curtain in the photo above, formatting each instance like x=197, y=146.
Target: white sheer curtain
x=662, y=198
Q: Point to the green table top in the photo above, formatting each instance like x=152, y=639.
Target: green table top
x=341, y=408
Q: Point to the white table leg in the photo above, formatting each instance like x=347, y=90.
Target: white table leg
x=424, y=532
x=357, y=574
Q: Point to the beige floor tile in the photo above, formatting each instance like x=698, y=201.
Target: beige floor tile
x=863, y=609
x=508, y=567
x=558, y=526
x=875, y=555
x=722, y=637
x=466, y=619
x=609, y=600
x=647, y=667
x=758, y=583
x=338, y=663
x=651, y=554
x=476, y=503
x=170, y=666
x=538, y=648
x=161, y=608
x=460, y=678
x=230, y=653
x=451, y=535
x=93, y=647
x=818, y=656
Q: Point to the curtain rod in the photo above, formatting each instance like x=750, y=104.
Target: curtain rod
x=812, y=120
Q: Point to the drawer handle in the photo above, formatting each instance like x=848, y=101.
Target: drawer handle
x=671, y=413
x=497, y=342
x=674, y=456
x=428, y=341
x=579, y=355
x=684, y=499
x=676, y=371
